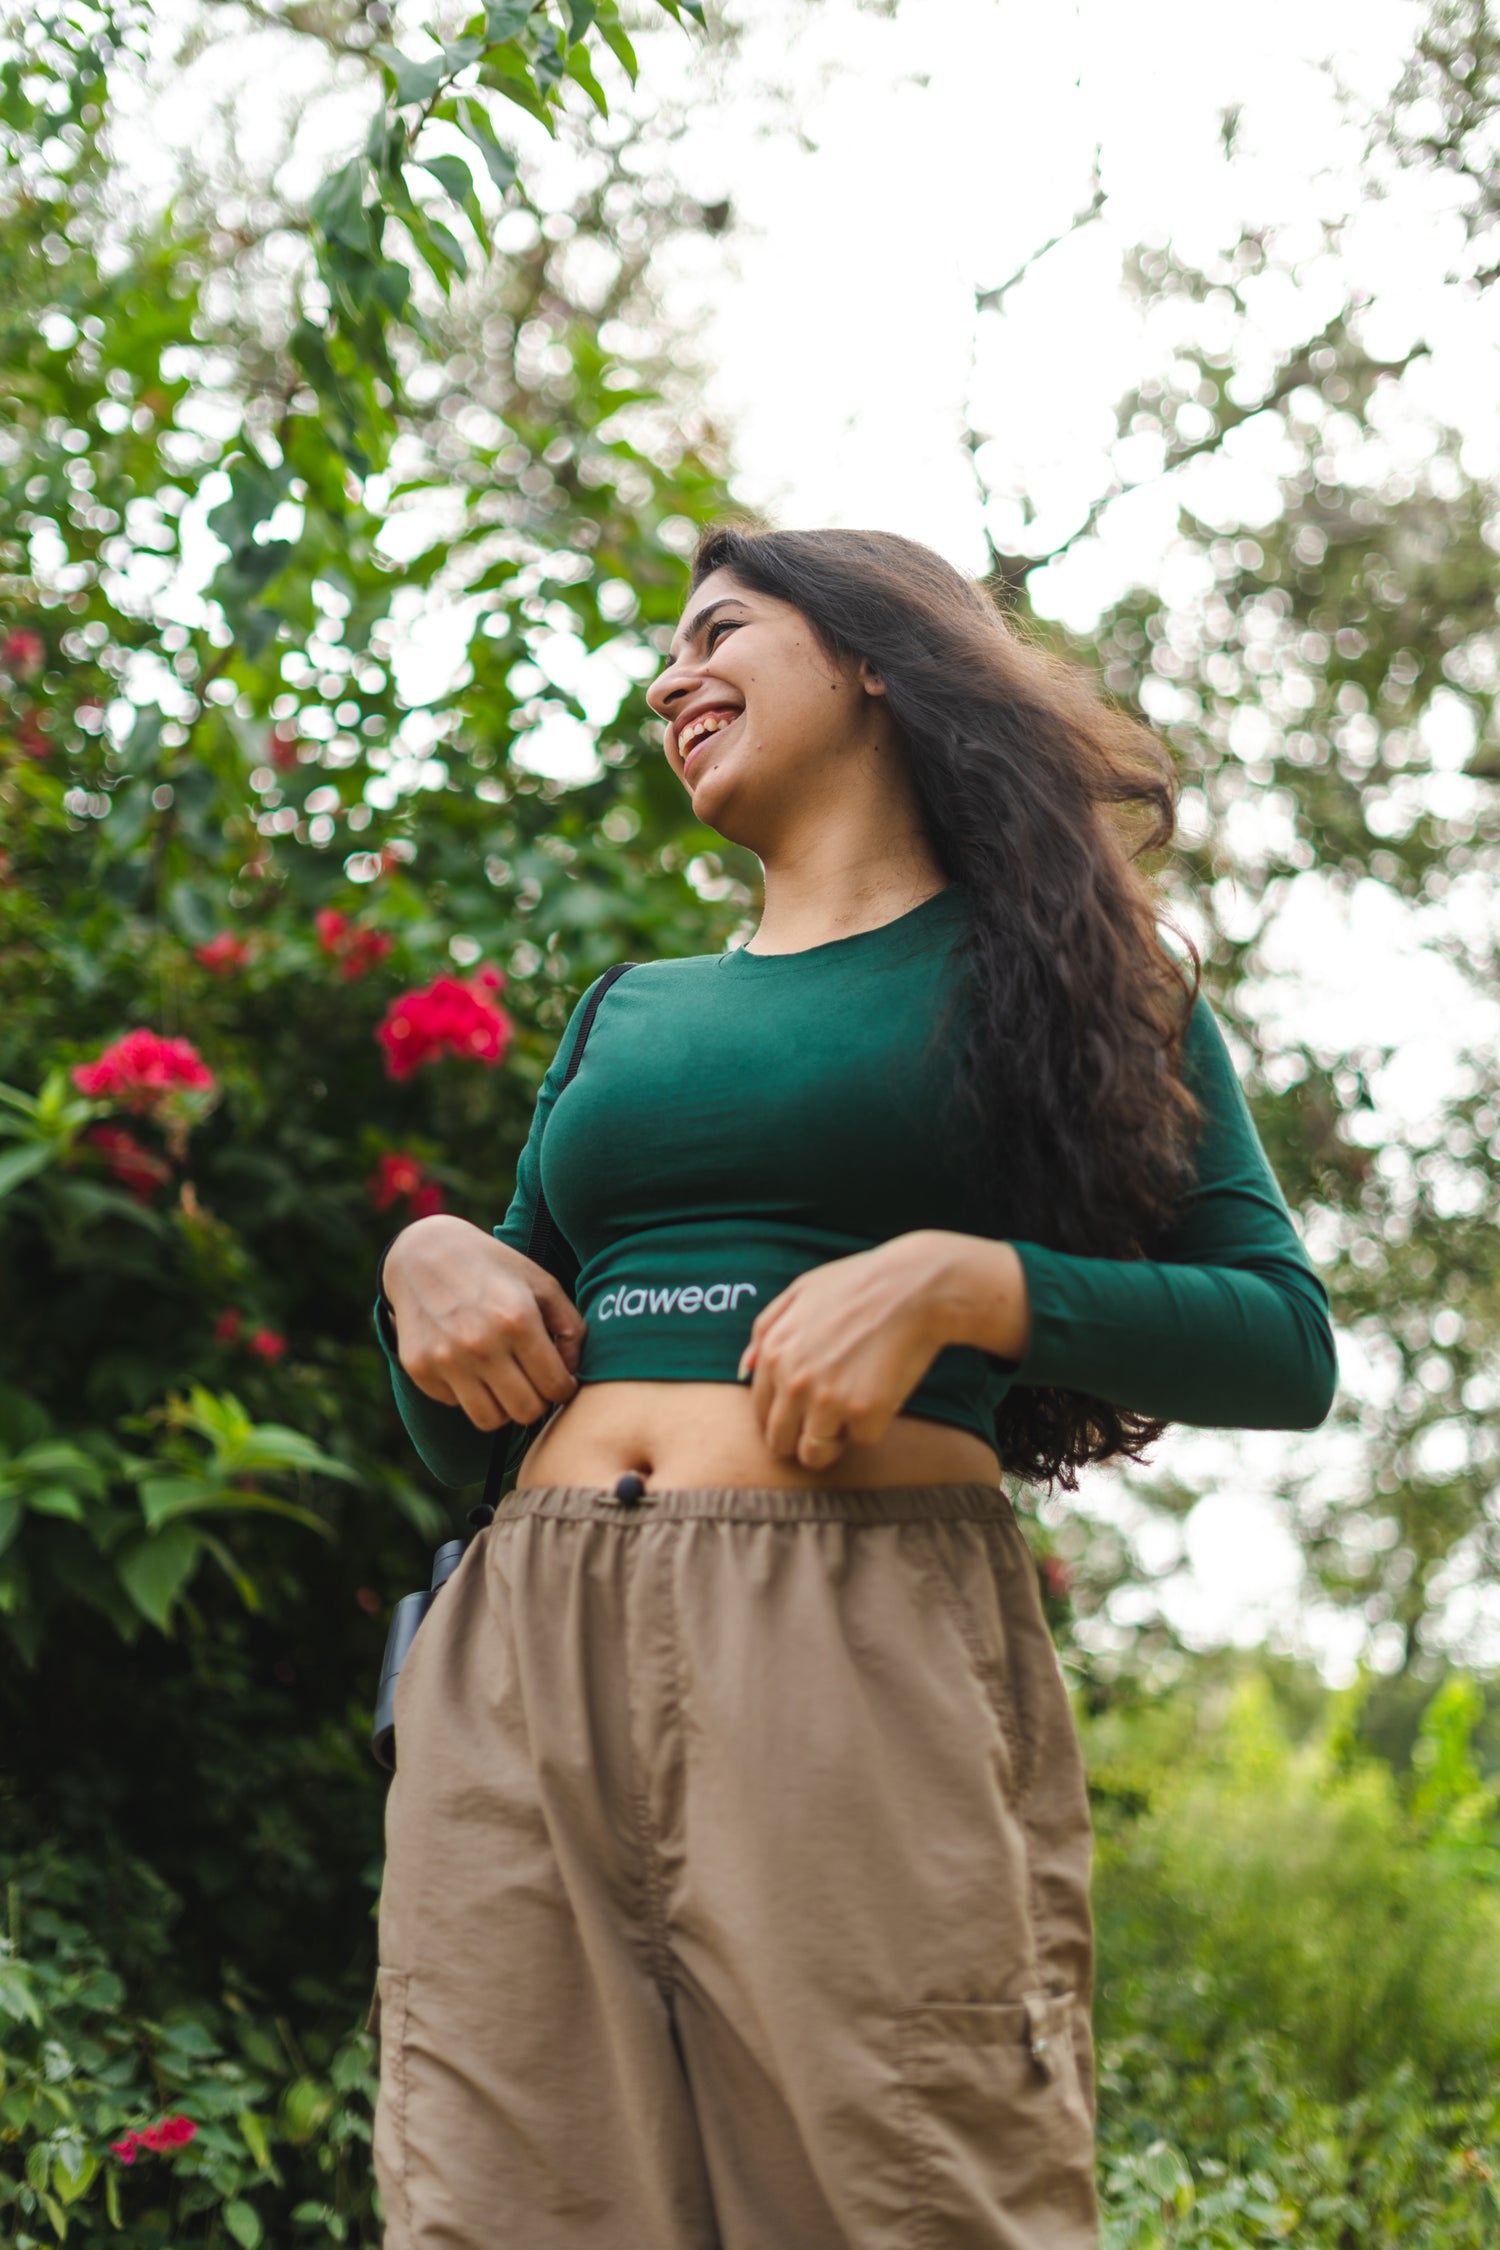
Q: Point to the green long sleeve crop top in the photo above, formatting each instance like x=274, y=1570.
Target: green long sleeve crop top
x=741, y=1117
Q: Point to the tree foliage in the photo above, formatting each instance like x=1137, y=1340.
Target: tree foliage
x=244, y=830
x=325, y=533
x=1329, y=686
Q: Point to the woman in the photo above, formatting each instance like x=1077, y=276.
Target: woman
x=737, y=1890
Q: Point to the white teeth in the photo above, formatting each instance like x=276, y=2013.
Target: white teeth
x=694, y=733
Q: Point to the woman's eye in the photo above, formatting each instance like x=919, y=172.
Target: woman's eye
x=719, y=625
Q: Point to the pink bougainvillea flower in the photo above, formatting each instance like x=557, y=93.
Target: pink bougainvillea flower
x=133, y=1166
x=143, y=1070
x=447, y=1016
x=265, y=1343
x=171, y=2132
x=395, y=1179
x=168, y=2133
x=22, y=652
x=400, y=1178
x=355, y=950
x=227, y=1326
x=224, y=953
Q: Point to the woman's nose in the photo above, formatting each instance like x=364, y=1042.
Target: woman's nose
x=667, y=688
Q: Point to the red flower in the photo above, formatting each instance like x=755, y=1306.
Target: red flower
x=227, y=1326
x=283, y=747
x=427, y=1201
x=168, y=2133
x=1056, y=1576
x=22, y=653
x=32, y=736
x=368, y=1600
x=224, y=953
x=394, y=1180
x=132, y=1165
x=265, y=1343
x=448, y=1016
x=354, y=949
x=141, y=1071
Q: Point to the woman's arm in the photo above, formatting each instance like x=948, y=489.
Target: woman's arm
x=1225, y=1324
x=454, y=1447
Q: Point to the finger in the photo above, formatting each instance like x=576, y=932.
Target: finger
x=542, y=1364
x=433, y=1386
x=517, y=1396
x=819, y=1452
x=520, y=1361
x=479, y=1403
x=785, y=1419
x=563, y=1321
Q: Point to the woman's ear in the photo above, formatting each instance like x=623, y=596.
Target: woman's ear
x=870, y=680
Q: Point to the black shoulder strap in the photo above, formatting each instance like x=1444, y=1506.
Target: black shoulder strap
x=545, y=1243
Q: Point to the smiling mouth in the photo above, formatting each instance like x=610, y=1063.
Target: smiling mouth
x=702, y=729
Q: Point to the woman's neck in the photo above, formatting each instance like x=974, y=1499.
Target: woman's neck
x=823, y=897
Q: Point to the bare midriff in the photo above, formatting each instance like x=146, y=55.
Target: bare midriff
x=676, y=1435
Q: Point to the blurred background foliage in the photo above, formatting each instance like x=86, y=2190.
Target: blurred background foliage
x=250, y=454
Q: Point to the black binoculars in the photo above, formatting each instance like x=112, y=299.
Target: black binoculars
x=405, y=1618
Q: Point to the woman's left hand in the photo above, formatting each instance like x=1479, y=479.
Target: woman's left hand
x=838, y=1353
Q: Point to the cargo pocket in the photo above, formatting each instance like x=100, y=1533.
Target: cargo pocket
x=999, y=2140
x=390, y=2147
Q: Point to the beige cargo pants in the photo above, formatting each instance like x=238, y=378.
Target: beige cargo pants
x=737, y=1890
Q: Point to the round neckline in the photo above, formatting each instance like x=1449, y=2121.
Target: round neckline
x=836, y=945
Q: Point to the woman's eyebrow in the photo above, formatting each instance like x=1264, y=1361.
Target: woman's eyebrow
x=705, y=613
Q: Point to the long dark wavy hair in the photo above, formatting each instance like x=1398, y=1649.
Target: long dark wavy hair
x=1038, y=799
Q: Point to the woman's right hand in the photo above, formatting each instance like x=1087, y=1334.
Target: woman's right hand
x=480, y=1326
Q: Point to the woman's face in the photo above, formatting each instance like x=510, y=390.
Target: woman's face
x=757, y=712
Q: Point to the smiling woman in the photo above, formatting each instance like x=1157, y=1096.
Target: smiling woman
x=738, y=1781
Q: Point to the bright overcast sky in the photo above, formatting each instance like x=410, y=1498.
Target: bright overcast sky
x=882, y=167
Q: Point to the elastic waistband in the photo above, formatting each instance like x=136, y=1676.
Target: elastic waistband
x=896, y=1503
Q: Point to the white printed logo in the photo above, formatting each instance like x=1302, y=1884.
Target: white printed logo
x=720, y=1296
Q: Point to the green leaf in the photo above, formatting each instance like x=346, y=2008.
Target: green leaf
x=20, y=1164
x=55, y=1457
x=339, y=206
x=452, y=175
x=243, y=2221
x=506, y=70
x=498, y=162
x=580, y=69
x=11, y=1512
x=155, y=1570
x=256, y=2137
x=271, y=1445
x=581, y=14
x=167, y=1499
x=73, y=2173
x=17, y=1999
x=413, y=81
x=56, y=1500
x=504, y=18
